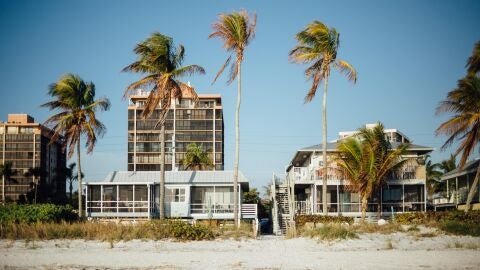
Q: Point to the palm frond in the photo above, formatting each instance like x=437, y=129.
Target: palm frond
x=347, y=69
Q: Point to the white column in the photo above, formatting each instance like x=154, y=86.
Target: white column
x=149, y=196
x=101, y=198
x=118, y=197
x=133, y=205
x=456, y=190
x=239, y=205
x=403, y=198
x=338, y=200
x=86, y=199
x=425, y=196
x=174, y=134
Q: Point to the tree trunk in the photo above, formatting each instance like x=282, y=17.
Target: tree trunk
x=79, y=169
x=71, y=188
x=364, y=208
x=237, y=148
x=324, y=147
x=162, y=172
x=3, y=189
x=473, y=187
x=36, y=187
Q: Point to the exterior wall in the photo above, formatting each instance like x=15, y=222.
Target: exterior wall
x=186, y=123
x=26, y=145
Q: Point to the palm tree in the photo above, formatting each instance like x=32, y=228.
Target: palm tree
x=464, y=125
x=6, y=171
x=432, y=175
x=35, y=172
x=71, y=177
x=75, y=102
x=236, y=30
x=161, y=62
x=366, y=160
x=448, y=165
x=317, y=46
x=196, y=158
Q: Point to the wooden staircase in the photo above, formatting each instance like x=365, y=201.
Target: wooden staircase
x=283, y=209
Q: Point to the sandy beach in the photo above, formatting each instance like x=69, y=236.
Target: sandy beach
x=370, y=251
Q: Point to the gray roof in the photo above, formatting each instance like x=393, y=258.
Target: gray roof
x=469, y=167
x=332, y=146
x=181, y=177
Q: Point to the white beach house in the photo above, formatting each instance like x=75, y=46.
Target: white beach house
x=188, y=194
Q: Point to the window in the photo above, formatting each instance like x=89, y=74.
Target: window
x=174, y=194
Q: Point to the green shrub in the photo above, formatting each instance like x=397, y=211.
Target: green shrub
x=31, y=213
x=300, y=220
x=460, y=228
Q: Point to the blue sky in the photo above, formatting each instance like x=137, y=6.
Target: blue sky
x=408, y=55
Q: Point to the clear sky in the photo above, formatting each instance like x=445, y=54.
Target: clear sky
x=408, y=55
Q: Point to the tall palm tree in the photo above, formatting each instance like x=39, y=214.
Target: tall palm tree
x=448, y=165
x=236, y=30
x=196, y=158
x=464, y=125
x=161, y=62
x=36, y=173
x=6, y=171
x=318, y=46
x=74, y=99
x=366, y=160
x=72, y=177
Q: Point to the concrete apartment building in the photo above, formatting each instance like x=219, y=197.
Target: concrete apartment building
x=187, y=122
x=26, y=145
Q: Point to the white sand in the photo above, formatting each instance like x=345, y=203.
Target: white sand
x=371, y=251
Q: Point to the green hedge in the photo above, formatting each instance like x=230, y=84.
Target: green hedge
x=472, y=217
x=300, y=220
x=32, y=213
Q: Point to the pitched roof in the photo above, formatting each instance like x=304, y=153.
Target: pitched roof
x=181, y=177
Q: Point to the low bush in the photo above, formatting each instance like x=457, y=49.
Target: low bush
x=330, y=232
x=153, y=230
x=456, y=222
x=32, y=213
x=300, y=220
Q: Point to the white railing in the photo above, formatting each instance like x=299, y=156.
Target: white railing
x=117, y=207
x=303, y=207
x=249, y=211
x=203, y=208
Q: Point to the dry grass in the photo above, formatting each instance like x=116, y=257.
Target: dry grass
x=229, y=231
x=374, y=228
x=329, y=232
x=110, y=232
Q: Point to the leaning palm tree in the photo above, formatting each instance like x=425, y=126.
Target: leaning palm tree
x=318, y=46
x=196, y=158
x=6, y=171
x=161, y=62
x=464, y=125
x=236, y=30
x=366, y=161
x=74, y=99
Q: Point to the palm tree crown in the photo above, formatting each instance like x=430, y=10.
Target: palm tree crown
x=473, y=63
x=196, y=158
x=366, y=160
x=464, y=125
x=318, y=46
x=75, y=101
x=161, y=61
x=236, y=30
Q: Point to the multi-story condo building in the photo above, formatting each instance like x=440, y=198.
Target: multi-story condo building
x=405, y=190
x=26, y=145
x=187, y=122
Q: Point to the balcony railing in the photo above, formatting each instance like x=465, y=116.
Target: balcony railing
x=305, y=174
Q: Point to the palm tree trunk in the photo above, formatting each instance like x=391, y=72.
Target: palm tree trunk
x=36, y=187
x=364, y=208
x=70, y=188
x=472, y=190
x=162, y=172
x=79, y=169
x=237, y=147
x=324, y=147
x=3, y=189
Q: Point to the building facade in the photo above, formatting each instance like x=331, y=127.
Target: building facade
x=26, y=145
x=187, y=122
x=405, y=190
x=188, y=194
